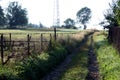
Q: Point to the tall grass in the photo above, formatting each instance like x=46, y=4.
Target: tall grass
x=38, y=65
x=108, y=58
x=35, y=67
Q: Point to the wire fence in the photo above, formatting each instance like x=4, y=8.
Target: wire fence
x=19, y=46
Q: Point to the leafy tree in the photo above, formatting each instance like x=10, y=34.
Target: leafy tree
x=83, y=16
x=112, y=15
x=69, y=23
x=16, y=15
x=41, y=25
x=2, y=17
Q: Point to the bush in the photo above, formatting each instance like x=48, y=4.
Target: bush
x=7, y=74
x=35, y=67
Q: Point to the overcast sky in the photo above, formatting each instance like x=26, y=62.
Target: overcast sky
x=42, y=10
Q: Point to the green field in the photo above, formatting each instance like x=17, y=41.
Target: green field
x=37, y=65
x=36, y=33
x=29, y=31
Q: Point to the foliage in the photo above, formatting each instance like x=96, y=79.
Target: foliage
x=41, y=25
x=112, y=15
x=69, y=23
x=35, y=26
x=7, y=73
x=16, y=15
x=83, y=16
x=108, y=58
x=2, y=17
x=35, y=67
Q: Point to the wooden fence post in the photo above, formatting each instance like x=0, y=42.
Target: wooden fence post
x=41, y=41
x=55, y=37
x=2, y=57
x=28, y=42
x=50, y=44
x=10, y=45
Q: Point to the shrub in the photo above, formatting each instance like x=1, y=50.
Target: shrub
x=7, y=74
x=35, y=67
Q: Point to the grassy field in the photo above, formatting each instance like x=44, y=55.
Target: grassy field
x=108, y=58
x=36, y=33
x=37, y=65
x=27, y=31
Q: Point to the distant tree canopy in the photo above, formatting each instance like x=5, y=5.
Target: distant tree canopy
x=2, y=17
x=16, y=15
x=41, y=25
x=69, y=23
x=83, y=16
x=112, y=15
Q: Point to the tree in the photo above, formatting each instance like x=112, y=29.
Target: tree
x=2, y=17
x=112, y=15
x=83, y=16
x=16, y=15
x=41, y=25
x=69, y=23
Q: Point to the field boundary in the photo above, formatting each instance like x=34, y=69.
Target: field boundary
x=14, y=46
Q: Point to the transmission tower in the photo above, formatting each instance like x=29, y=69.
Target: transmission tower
x=56, y=15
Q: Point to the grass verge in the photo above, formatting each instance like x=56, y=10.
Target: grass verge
x=108, y=58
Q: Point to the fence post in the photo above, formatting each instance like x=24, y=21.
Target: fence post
x=2, y=57
x=10, y=42
x=41, y=41
x=50, y=40
x=28, y=41
x=55, y=37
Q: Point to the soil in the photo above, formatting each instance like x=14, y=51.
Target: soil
x=93, y=66
x=55, y=74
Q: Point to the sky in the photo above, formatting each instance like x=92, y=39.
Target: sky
x=42, y=10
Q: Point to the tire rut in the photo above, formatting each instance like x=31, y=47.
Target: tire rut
x=93, y=66
x=55, y=74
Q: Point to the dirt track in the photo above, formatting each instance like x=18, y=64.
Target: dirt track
x=93, y=66
x=93, y=72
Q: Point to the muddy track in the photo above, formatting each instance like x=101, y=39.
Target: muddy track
x=93, y=67
x=55, y=74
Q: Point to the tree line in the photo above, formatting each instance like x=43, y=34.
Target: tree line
x=16, y=17
x=83, y=17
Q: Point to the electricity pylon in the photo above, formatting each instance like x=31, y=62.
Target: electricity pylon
x=56, y=16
